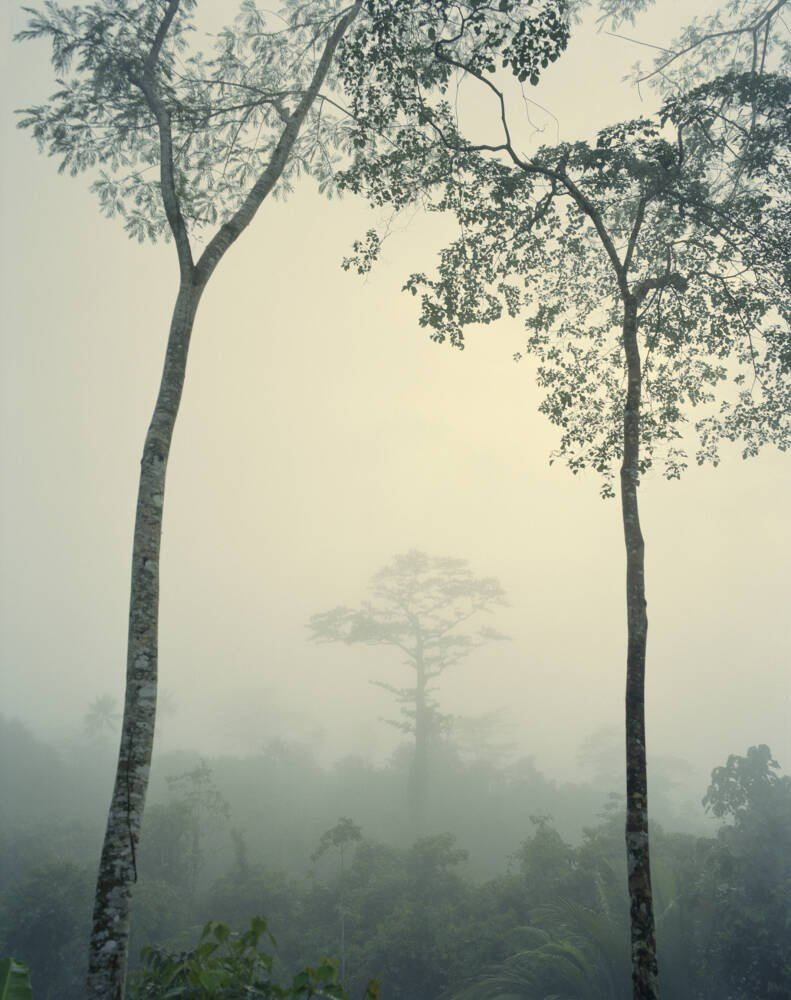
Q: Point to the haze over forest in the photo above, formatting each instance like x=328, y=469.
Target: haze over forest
x=321, y=435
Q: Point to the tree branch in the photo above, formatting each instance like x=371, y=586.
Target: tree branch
x=670, y=279
x=638, y=222
x=558, y=175
x=230, y=231
x=170, y=198
x=762, y=21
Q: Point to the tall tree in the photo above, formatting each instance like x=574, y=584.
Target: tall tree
x=183, y=146
x=419, y=604
x=747, y=876
x=652, y=267
x=344, y=833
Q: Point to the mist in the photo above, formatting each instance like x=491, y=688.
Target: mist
x=322, y=435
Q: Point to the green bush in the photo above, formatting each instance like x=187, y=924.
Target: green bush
x=14, y=980
x=231, y=966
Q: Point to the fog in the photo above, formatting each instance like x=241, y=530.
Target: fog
x=321, y=434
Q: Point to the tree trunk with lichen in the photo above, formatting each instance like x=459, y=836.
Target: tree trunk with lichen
x=643, y=941
x=118, y=865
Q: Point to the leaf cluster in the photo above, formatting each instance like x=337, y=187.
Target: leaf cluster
x=231, y=965
x=400, y=63
x=567, y=235
x=344, y=832
x=226, y=109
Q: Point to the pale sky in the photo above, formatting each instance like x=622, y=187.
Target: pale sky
x=321, y=433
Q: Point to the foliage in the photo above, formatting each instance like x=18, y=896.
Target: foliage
x=407, y=50
x=486, y=738
x=226, y=109
x=547, y=968
x=408, y=911
x=545, y=860
x=341, y=836
x=575, y=944
x=748, y=879
x=175, y=831
x=426, y=918
x=741, y=34
x=743, y=784
x=344, y=832
x=37, y=790
x=419, y=603
x=248, y=887
x=231, y=965
x=45, y=919
x=14, y=980
x=705, y=257
x=746, y=38
x=526, y=244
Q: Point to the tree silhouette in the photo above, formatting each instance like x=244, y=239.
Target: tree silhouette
x=342, y=835
x=419, y=606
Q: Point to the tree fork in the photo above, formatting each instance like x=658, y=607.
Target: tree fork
x=643, y=939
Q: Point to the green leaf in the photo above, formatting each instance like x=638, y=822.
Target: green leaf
x=14, y=980
x=222, y=932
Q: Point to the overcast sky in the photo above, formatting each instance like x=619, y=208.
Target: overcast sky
x=321, y=433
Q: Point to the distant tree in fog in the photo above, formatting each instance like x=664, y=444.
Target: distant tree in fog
x=748, y=876
x=419, y=606
x=484, y=738
x=340, y=837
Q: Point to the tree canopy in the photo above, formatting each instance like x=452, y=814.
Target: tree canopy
x=124, y=72
x=420, y=605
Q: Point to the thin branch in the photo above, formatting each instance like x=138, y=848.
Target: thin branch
x=230, y=230
x=636, y=41
x=170, y=198
x=638, y=222
x=743, y=29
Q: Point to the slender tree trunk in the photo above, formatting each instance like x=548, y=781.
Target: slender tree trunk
x=118, y=865
x=343, y=921
x=420, y=763
x=644, y=963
